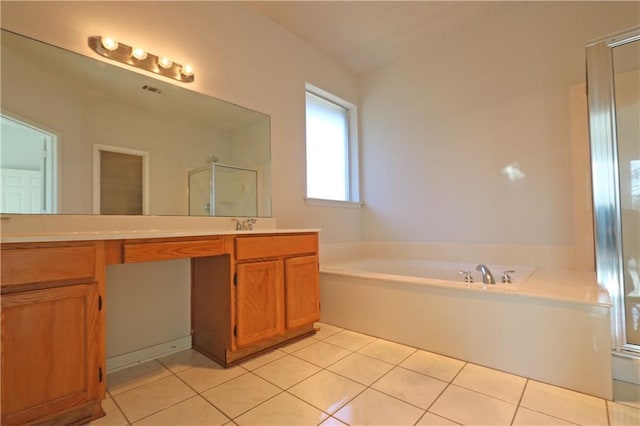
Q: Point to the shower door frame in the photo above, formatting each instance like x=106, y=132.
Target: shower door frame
x=605, y=178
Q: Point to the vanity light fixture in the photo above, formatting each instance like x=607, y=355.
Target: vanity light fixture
x=139, y=54
x=164, y=63
x=139, y=58
x=109, y=43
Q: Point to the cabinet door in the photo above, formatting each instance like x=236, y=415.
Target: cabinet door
x=302, y=289
x=259, y=301
x=48, y=340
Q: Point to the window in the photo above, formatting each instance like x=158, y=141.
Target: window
x=332, y=154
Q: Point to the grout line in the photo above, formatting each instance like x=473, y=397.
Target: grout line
x=515, y=413
x=120, y=409
x=280, y=392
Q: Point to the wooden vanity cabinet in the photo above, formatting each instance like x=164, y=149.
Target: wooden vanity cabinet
x=302, y=291
x=276, y=290
x=259, y=301
x=263, y=293
x=249, y=293
x=52, y=341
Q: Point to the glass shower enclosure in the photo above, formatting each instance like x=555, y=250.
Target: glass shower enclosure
x=220, y=190
x=613, y=79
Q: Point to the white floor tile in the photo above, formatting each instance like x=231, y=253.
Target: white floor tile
x=434, y=365
x=321, y=354
x=411, y=387
x=287, y=371
x=332, y=421
x=526, y=417
x=296, y=346
x=375, y=408
x=283, y=409
x=241, y=394
x=325, y=330
x=491, y=382
x=193, y=412
x=350, y=340
x=263, y=359
x=623, y=415
x=132, y=377
x=430, y=419
x=386, y=351
x=113, y=415
x=184, y=359
x=152, y=397
x=327, y=391
x=403, y=383
x=361, y=368
x=564, y=404
x=472, y=408
x=207, y=376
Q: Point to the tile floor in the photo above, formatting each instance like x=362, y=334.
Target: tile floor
x=341, y=377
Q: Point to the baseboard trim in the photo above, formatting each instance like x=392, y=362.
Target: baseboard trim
x=120, y=362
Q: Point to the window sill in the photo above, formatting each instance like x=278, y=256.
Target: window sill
x=333, y=203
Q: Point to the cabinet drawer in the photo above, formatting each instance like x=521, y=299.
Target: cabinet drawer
x=59, y=262
x=275, y=246
x=146, y=251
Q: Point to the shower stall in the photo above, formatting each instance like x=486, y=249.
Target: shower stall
x=221, y=190
x=613, y=80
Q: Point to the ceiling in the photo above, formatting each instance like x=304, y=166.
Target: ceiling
x=365, y=35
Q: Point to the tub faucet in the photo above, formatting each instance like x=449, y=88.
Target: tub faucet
x=487, y=277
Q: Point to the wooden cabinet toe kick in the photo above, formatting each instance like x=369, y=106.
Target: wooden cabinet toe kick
x=232, y=358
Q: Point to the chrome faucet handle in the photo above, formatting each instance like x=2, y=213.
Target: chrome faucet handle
x=247, y=224
x=506, y=277
x=238, y=224
x=467, y=276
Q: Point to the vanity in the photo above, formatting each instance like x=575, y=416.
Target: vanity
x=250, y=292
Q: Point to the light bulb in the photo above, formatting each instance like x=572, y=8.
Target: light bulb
x=164, y=62
x=109, y=43
x=139, y=54
x=187, y=70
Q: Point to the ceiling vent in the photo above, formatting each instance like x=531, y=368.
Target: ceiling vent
x=151, y=89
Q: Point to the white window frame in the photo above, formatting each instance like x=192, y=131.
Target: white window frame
x=353, y=160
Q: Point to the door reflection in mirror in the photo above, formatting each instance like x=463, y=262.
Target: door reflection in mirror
x=120, y=181
x=27, y=168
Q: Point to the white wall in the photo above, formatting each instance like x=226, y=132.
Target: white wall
x=438, y=128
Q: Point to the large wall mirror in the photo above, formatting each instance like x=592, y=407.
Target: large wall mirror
x=82, y=136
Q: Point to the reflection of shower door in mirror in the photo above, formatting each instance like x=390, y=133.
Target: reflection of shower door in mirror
x=613, y=74
x=200, y=192
x=27, y=168
x=235, y=191
x=626, y=65
x=120, y=183
x=220, y=190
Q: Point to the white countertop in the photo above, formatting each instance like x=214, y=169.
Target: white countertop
x=50, y=228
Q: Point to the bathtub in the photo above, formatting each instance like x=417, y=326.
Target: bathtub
x=550, y=326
